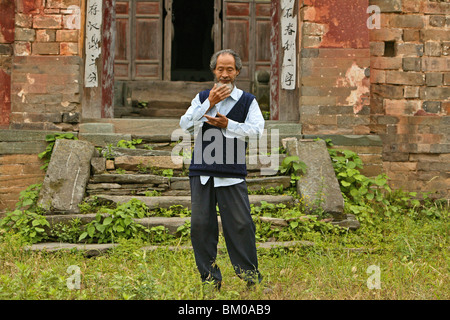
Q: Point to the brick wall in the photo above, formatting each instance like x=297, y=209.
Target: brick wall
x=410, y=91
x=48, y=27
x=335, y=61
x=46, y=77
x=45, y=93
x=17, y=172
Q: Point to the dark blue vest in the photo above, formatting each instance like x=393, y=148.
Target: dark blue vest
x=214, y=154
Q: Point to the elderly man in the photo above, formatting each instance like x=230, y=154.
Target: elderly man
x=224, y=118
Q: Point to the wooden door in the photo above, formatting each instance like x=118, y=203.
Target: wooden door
x=216, y=33
x=139, y=41
x=246, y=29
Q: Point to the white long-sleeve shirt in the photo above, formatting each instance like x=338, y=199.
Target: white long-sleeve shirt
x=253, y=126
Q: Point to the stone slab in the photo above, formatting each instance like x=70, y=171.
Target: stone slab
x=103, y=139
x=25, y=147
x=133, y=163
x=129, y=179
x=185, y=201
x=319, y=186
x=123, y=152
x=97, y=249
x=67, y=176
x=96, y=128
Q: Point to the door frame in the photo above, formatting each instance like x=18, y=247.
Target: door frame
x=168, y=35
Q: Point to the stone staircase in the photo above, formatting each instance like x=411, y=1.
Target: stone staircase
x=139, y=174
x=149, y=174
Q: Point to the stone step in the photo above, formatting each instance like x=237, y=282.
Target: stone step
x=141, y=184
x=173, y=223
x=95, y=249
x=165, y=127
x=253, y=183
x=185, y=201
x=140, y=160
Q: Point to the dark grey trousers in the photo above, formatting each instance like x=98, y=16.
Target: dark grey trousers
x=237, y=224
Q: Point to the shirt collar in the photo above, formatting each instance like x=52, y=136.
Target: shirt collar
x=235, y=93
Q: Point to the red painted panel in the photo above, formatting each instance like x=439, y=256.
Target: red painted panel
x=122, y=7
x=238, y=37
x=147, y=8
x=238, y=9
x=263, y=9
x=148, y=39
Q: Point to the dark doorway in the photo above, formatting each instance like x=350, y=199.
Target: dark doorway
x=192, y=44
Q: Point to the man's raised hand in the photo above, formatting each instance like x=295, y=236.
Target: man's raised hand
x=218, y=94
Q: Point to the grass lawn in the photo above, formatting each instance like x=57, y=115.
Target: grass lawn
x=405, y=258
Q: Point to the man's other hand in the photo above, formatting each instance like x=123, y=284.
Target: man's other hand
x=219, y=121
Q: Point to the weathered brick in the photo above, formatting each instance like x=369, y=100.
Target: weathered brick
x=46, y=35
x=410, y=49
x=377, y=48
x=47, y=21
x=446, y=107
x=388, y=5
x=46, y=48
x=311, y=41
x=411, y=92
x=388, y=91
x=11, y=169
x=62, y=3
x=22, y=48
x=434, y=79
x=24, y=34
x=437, y=21
x=447, y=79
x=23, y=20
x=433, y=48
x=401, y=107
x=446, y=48
x=68, y=48
x=432, y=106
x=67, y=35
x=406, y=78
x=412, y=64
x=411, y=6
x=385, y=34
x=19, y=159
x=441, y=64
x=313, y=29
x=434, y=34
x=5, y=49
x=391, y=63
x=435, y=7
x=407, y=21
x=411, y=35
x=377, y=76
x=435, y=93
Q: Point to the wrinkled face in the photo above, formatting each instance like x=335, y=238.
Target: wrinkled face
x=225, y=70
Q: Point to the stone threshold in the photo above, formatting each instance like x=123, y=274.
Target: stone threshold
x=95, y=249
